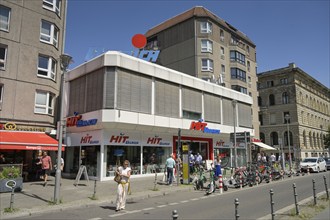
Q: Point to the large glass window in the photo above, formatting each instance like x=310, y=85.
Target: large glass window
x=46, y=67
x=49, y=33
x=236, y=56
x=206, y=27
x=207, y=65
x=3, y=56
x=239, y=88
x=207, y=46
x=237, y=73
x=4, y=18
x=44, y=103
x=154, y=159
x=53, y=5
x=1, y=94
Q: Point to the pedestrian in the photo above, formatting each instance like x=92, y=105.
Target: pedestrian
x=123, y=186
x=2, y=159
x=191, y=162
x=198, y=159
x=272, y=158
x=217, y=163
x=46, y=166
x=170, y=164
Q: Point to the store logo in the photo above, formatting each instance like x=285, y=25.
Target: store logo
x=219, y=143
x=88, y=139
x=200, y=125
x=78, y=122
x=119, y=139
x=139, y=41
x=153, y=140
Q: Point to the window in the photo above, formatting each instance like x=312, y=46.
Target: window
x=53, y=5
x=223, y=69
x=1, y=95
x=234, y=41
x=259, y=101
x=49, y=33
x=206, y=27
x=274, y=138
x=285, y=98
x=44, y=103
x=222, y=52
x=271, y=99
x=207, y=46
x=248, y=65
x=270, y=83
x=284, y=81
x=272, y=118
x=261, y=120
x=239, y=88
x=236, y=56
x=247, y=49
x=284, y=114
x=237, y=73
x=3, y=56
x=222, y=35
x=46, y=67
x=207, y=65
x=4, y=18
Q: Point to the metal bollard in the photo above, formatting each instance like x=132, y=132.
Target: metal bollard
x=314, y=192
x=241, y=180
x=155, y=183
x=94, y=195
x=326, y=186
x=295, y=199
x=257, y=177
x=175, y=214
x=220, y=184
x=236, y=209
x=272, y=204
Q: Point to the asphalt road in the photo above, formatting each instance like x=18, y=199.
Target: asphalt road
x=254, y=202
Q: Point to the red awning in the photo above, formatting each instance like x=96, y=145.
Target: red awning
x=23, y=140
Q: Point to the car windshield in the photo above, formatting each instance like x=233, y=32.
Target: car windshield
x=309, y=160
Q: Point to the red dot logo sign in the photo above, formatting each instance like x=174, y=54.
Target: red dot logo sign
x=139, y=41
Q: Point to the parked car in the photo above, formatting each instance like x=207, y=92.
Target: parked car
x=327, y=160
x=314, y=164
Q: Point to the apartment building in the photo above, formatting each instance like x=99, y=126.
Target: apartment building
x=32, y=40
x=200, y=44
x=292, y=102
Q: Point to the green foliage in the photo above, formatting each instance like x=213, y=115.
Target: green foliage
x=11, y=172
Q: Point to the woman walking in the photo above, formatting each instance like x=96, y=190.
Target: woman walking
x=123, y=186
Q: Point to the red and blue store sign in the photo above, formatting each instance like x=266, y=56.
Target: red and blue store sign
x=202, y=126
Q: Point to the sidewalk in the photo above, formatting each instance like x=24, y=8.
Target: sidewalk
x=35, y=198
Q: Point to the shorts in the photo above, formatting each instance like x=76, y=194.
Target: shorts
x=45, y=171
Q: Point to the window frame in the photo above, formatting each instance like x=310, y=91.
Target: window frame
x=50, y=65
x=1, y=94
x=208, y=48
x=209, y=66
x=54, y=6
x=237, y=73
x=208, y=27
x=53, y=37
x=4, y=60
x=48, y=106
x=7, y=23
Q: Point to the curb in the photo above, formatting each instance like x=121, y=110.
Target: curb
x=290, y=207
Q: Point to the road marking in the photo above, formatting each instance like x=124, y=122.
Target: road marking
x=94, y=218
x=115, y=215
x=161, y=206
x=174, y=203
x=194, y=199
x=184, y=201
x=146, y=209
x=134, y=211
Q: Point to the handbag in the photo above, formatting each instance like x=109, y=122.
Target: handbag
x=117, y=178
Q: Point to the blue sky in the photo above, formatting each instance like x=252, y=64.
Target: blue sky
x=283, y=31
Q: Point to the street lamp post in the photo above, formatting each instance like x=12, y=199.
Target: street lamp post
x=65, y=60
x=234, y=103
x=287, y=117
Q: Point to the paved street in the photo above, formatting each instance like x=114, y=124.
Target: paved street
x=190, y=204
